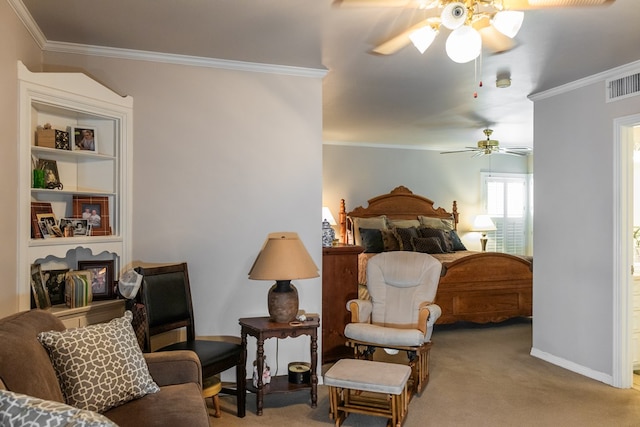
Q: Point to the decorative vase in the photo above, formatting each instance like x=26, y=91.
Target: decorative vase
x=327, y=234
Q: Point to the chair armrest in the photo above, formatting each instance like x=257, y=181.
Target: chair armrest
x=174, y=367
x=360, y=310
x=428, y=313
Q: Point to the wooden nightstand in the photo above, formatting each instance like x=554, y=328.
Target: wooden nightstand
x=339, y=285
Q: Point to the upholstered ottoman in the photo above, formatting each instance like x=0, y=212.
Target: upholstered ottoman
x=368, y=387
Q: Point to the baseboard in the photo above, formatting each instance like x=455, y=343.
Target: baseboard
x=573, y=367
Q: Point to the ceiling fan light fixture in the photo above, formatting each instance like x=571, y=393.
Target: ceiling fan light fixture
x=454, y=15
x=464, y=44
x=508, y=22
x=423, y=37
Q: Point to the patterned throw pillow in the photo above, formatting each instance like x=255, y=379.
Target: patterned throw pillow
x=404, y=236
x=99, y=366
x=390, y=241
x=427, y=245
x=445, y=238
x=18, y=410
x=457, y=243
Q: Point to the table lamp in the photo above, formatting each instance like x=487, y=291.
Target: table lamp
x=283, y=258
x=483, y=223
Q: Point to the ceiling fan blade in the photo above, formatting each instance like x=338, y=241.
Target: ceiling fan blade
x=396, y=43
x=543, y=4
x=459, y=151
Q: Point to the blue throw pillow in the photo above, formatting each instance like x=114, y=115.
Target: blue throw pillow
x=457, y=243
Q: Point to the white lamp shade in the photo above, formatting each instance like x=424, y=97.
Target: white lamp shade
x=483, y=223
x=508, y=22
x=326, y=216
x=423, y=38
x=464, y=44
x=453, y=15
x=283, y=257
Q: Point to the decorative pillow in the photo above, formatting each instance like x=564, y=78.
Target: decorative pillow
x=389, y=241
x=371, y=240
x=99, y=366
x=427, y=245
x=445, y=238
x=402, y=223
x=404, y=236
x=17, y=410
x=457, y=243
x=377, y=222
x=437, y=223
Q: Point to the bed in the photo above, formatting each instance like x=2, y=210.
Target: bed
x=479, y=287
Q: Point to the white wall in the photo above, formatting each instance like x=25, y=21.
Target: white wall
x=573, y=240
x=358, y=173
x=221, y=159
x=15, y=44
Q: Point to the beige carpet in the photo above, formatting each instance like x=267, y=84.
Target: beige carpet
x=480, y=376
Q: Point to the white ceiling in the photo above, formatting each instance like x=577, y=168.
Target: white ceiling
x=404, y=99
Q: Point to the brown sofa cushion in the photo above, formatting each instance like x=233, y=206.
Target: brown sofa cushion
x=21, y=353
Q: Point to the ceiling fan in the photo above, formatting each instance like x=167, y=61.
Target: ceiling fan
x=493, y=23
x=491, y=146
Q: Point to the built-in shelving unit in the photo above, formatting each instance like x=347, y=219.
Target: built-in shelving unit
x=68, y=100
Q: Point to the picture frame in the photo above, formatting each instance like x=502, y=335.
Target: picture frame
x=96, y=211
x=102, y=285
x=78, y=226
x=38, y=208
x=84, y=138
x=49, y=225
x=40, y=294
x=51, y=175
x=54, y=282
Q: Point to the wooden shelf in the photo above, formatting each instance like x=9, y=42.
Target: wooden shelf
x=279, y=384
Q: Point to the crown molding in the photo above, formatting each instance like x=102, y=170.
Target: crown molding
x=28, y=22
x=596, y=78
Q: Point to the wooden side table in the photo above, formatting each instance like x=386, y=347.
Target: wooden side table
x=262, y=328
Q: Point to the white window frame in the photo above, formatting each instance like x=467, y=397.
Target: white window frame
x=496, y=241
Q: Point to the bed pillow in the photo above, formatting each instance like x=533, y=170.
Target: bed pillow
x=427, y=245
x=445, y=238
x=456, y=242
x=404, y=236
x=99, y=366
x=402, y=223
x=437, y=223
x=371, y=240
x=17, y=410
x=376, y=222
x=390, y=241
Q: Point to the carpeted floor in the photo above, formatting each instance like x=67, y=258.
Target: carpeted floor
x=480, y=376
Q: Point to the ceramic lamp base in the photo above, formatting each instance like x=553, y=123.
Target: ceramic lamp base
x=283, y=301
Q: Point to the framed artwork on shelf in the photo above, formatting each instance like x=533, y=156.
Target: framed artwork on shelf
x=54, y=281
x=49, y=225
x=101, y=278
x=84, y=138
x=38, y=208
x=51, y=176
x=40, y=294
x=72, y=227
x=96, y=211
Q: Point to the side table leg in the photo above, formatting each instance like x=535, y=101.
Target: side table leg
x=314, y=365
x=241, y=377
x=260, y=366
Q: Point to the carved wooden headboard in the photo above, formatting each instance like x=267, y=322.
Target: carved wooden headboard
x=400, y=203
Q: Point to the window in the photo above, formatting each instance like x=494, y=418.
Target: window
x=507, y=200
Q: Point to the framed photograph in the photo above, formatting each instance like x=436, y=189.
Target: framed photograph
x=54, y=281
x=72, y=227
x=84, y=138
x=96, y=211
x=40, y=294
x=48, y=225
x=101, y=278
x=38, y=208
x=51, y=176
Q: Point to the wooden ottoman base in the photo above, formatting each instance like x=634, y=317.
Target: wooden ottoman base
x=367, y=387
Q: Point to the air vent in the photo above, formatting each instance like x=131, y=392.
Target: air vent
x=623, y=87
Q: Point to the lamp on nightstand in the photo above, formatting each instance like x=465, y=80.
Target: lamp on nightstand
x=283, y=258
x=483, y=223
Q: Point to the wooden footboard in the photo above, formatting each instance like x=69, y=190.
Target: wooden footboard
x=485, y=287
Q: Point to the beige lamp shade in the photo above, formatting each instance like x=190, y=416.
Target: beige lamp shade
x=483, y=223
x=283, y=257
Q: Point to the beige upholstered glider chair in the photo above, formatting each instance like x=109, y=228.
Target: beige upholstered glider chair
x=401, y=313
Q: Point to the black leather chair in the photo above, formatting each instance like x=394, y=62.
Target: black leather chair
x=166, y=296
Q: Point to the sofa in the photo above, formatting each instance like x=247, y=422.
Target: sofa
x=26, y=368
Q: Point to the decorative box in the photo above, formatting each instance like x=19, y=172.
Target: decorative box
x=62, y=140
x=46, y=137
